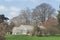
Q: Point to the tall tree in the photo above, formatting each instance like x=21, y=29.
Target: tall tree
x=23, y=18
x=43, y=12
x=58, y=16
x=26, y=15
x=2, y=26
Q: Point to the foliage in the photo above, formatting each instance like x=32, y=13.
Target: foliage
x=58, y=16
x=52, y=26
x=36, y=31
x=2, y=18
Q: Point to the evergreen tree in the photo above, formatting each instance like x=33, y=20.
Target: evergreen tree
x=58, y=16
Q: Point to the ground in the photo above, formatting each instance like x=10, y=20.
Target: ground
x=25, y=37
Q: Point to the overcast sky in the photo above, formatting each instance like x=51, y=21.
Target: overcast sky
x=11, y=8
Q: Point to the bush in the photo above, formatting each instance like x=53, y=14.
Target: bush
x=2, y=38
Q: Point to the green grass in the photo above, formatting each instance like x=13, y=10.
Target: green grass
x=25, y=37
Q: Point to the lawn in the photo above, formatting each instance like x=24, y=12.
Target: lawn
x=25, y=37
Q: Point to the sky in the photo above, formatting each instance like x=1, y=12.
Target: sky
x=12, y=8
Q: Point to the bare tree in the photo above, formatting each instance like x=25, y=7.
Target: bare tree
x=43, y=12
x=23, y=18
x=26, y=15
